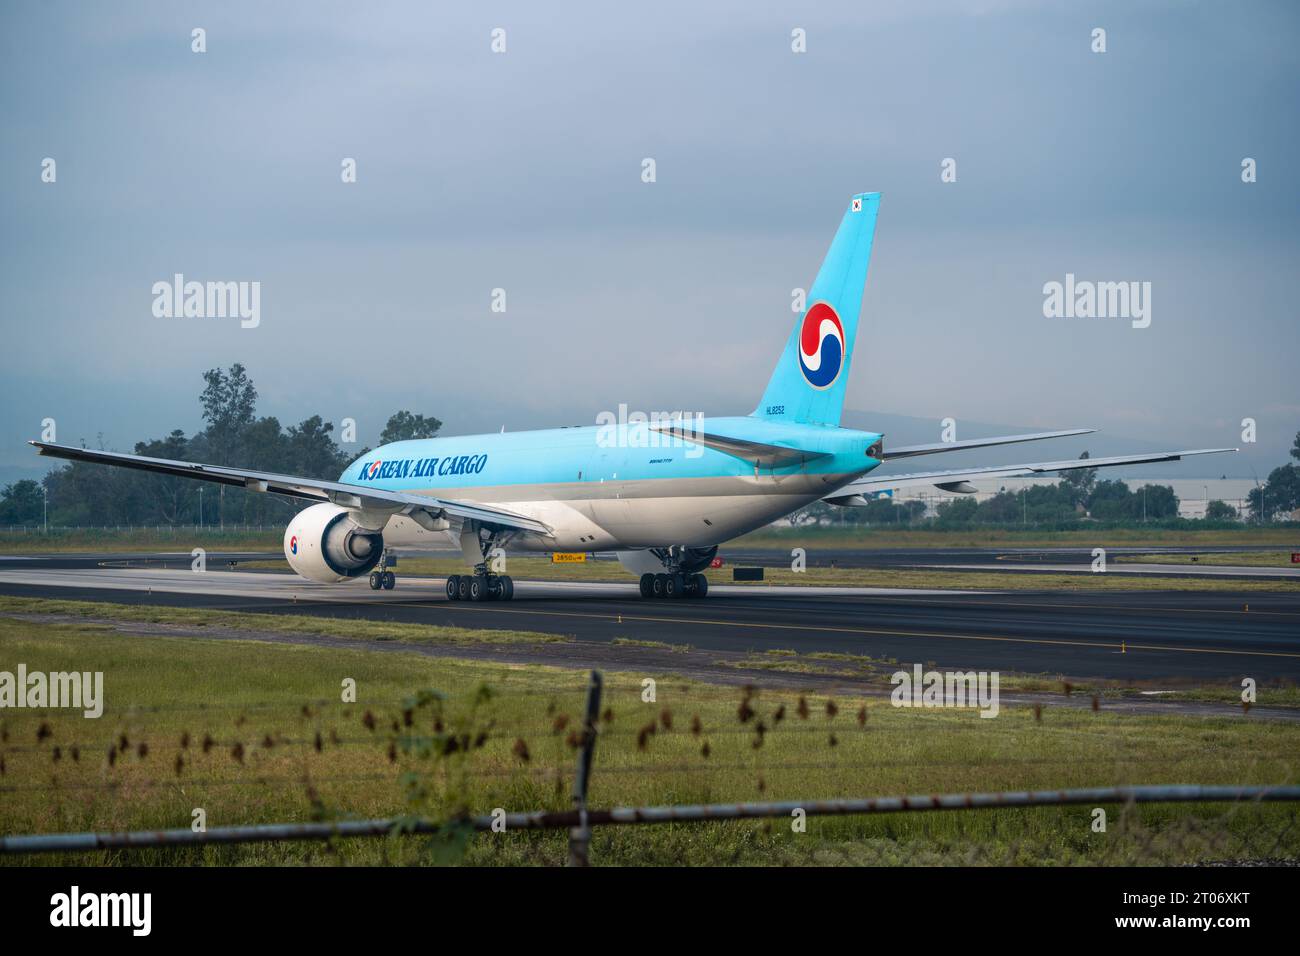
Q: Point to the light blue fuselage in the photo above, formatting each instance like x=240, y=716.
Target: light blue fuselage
x=626, y=486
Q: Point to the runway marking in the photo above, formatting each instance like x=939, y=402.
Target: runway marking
x=826, y=628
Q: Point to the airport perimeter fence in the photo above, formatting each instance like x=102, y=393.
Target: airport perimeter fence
x=1253, y=823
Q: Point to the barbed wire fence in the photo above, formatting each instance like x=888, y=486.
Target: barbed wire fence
x=1228, y=833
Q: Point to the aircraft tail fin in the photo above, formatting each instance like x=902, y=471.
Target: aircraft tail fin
x=810, y=377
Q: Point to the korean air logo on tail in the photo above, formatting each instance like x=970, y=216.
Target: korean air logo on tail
x=821, y=346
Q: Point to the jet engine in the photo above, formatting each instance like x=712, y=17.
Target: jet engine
x=326, y=543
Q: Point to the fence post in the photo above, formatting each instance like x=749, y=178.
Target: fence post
x=580, y=836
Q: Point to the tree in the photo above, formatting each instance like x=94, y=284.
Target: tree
x=23, y=502
x=1078, y=483
x=1003, y=508
x=405, y=427
x=229, y=401
x=1161, y=502
x=1280, y=494
x=958, y=511
x=170, y=498
x=1112, y=501
x=1220, y=511
x=312, y=450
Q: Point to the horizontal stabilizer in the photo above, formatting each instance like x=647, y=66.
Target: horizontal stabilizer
x=755, y=452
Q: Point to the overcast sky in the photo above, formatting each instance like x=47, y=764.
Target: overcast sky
x=479, y=170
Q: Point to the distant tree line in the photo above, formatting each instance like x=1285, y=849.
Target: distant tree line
x=233, y=434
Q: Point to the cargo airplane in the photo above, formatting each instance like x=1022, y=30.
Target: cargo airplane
x=661, y=494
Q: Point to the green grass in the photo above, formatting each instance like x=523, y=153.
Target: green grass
x=656, y=645
x=353, y=630
x=138, y=539
x=1243, y=559
x=273, y=700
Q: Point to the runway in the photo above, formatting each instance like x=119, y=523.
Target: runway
x=1026, y=560
x=1149, y=636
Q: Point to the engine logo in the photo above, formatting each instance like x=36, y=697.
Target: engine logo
x=293, y=544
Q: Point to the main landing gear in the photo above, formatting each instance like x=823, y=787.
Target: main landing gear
x=480, y=586
x=674, y=585
x=483, y=584
x=381, y=577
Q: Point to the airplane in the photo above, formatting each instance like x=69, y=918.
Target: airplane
x=661, y=494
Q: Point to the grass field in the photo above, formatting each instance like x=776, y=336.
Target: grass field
x=256, y=732
x=352, y=630
x=181, y=539
x=1246, y=559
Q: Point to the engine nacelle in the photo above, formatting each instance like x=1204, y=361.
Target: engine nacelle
x=326, y=543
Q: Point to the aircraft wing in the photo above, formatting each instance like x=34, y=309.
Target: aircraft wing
x=313, y=489
x=958, y=480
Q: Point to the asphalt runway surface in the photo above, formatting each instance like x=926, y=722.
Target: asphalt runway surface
x=1134, y=635
x=1027, y=560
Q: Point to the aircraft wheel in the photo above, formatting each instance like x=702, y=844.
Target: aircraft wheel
x=674, y=586
x=507, y=588
x=478, y=588
x=375, y=583
x=659, y=585
x=389, y=580
x=453, y=588
x=463, y=589
x=647, y=585
x=701, y=586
